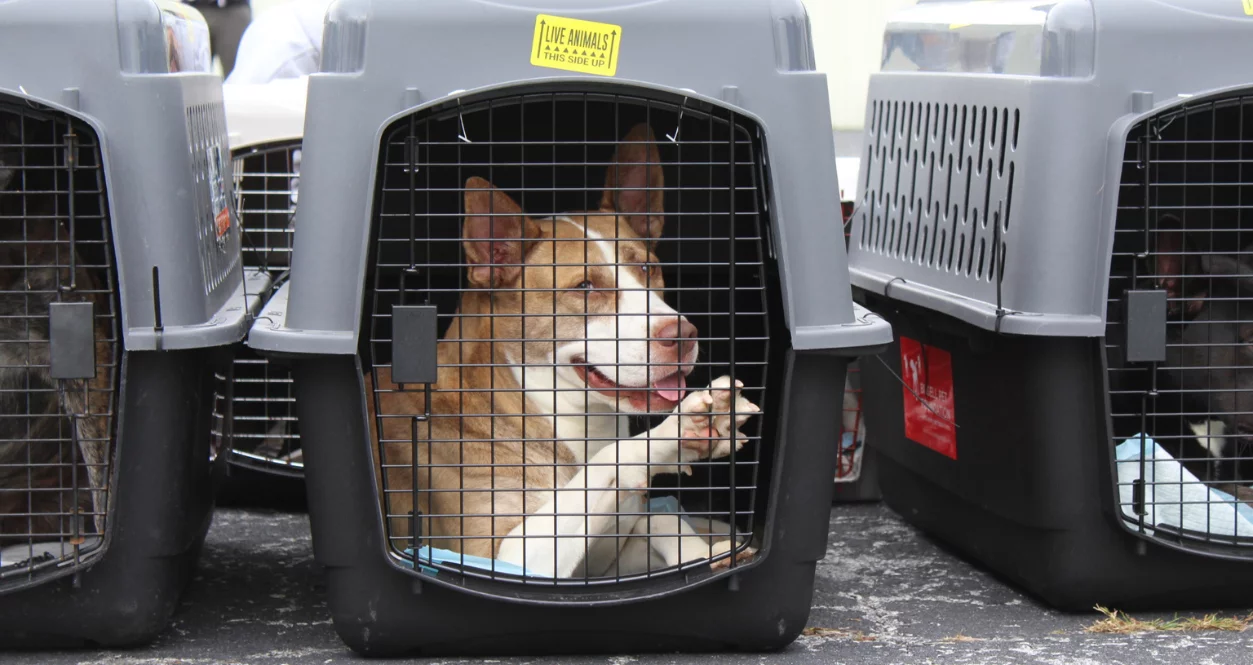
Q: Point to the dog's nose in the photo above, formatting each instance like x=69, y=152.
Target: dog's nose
x=677, y=333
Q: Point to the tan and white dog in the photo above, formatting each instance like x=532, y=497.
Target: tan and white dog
x=527, y=457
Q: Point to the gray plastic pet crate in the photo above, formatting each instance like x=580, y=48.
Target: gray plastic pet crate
x=1055, y=220
x=121, y=292
x=741, y=127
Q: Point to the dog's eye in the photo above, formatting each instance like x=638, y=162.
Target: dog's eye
x=585, y=284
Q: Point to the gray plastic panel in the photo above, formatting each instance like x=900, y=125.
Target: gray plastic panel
x=1026, y=37
x=755, y=56
x=228, y=325
x=163, y=138
x=269, y=332
x=925, y=228
x=868, y=331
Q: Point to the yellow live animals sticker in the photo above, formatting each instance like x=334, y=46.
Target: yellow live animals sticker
x=586, y=47
x=1248, y=7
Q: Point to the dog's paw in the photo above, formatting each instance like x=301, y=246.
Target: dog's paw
x=706, y=428
x=723, y=428
x=741, y=557
x=694, y=421
x=723, y=397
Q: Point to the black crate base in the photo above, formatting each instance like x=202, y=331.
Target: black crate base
x=866, y=488
x=1031, y=493
x=162, y=507
x=247, y=487
x=379, y=610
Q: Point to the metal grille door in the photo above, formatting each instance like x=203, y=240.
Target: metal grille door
x=1180, y=332
x=592, y=263
x=60, y=346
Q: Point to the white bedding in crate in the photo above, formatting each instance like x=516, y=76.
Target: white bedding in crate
x=1174, y=496
x=33, y=555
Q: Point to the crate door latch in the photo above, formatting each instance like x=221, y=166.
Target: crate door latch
x=415, y=359
x=71, y=340
x=414, y=344
x=1144, y=325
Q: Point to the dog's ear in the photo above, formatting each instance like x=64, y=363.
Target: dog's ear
x=633, y=185
x=495, y=234
x=1174, y=268
x=1168, y=261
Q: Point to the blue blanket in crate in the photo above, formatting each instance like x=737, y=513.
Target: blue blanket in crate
x=428, y=555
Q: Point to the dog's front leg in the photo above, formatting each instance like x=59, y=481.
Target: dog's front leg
x=708, y=430
x=553, y=541
x=673, y=539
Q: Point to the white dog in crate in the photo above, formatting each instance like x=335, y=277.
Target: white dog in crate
x=545, y=477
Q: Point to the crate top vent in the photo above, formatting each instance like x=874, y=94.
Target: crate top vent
x=384, y=60
x=994, y=146
x=137, y=72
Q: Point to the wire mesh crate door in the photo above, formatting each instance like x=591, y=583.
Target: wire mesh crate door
x=266, y=434
x=56, y=404
x=1183, y=409
x=266, y=181
x=588, y=280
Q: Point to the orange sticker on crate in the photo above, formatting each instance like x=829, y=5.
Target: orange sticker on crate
x=222, y=222
x=929, y=401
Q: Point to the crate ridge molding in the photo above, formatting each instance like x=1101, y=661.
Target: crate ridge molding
x=767, y=46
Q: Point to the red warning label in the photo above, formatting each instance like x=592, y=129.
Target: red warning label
x=928, y=374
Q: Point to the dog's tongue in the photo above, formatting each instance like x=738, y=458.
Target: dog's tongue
x=672, y=388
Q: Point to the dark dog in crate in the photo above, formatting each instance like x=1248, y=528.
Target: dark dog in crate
x=608, y=344
x=1208, y=372
x=49, y=486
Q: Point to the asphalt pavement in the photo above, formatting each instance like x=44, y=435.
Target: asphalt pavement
x=885, y=594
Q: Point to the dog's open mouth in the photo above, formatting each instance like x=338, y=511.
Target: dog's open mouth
x=662, y=395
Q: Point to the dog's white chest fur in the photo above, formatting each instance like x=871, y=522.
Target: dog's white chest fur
x=577, y=426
